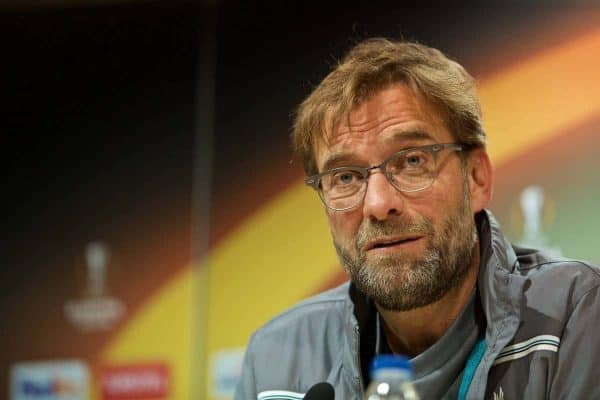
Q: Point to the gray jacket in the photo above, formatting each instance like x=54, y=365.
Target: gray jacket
x=542, y=333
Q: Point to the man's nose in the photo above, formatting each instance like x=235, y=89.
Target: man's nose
x=381, y=198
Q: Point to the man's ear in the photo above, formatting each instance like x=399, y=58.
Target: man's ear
x=481, y=179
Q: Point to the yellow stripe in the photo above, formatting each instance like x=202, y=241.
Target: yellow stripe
x=276, y=257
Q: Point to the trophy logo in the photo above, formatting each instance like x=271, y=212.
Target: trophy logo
x=97, y=257
x=96, y=310
x=532, y=217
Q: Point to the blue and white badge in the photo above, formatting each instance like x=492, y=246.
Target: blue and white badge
x=50, y=380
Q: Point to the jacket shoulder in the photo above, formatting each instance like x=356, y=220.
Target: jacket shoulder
x=311, y=312
x=302, y=345
x=554, y=275
x=532, y=262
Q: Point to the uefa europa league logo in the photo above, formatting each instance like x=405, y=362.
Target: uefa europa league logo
x=96, y=310
x=97, y=257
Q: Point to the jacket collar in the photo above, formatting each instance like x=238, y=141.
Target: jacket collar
x=499, y=286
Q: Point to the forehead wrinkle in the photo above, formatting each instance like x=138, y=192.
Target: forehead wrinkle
x=397, y=101
x=394, y=105
x=378, y=124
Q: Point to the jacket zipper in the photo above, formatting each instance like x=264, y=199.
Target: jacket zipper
x=361, y=389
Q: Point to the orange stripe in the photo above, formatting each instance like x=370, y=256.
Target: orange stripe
x=530, y=102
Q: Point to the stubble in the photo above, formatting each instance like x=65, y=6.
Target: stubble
x=404, y=281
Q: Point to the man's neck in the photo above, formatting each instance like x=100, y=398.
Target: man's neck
x=414, y=331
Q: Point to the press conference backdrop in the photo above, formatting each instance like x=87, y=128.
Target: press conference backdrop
x=107, y=299
x=537, y=68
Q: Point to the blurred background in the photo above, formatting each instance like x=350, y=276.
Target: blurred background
x=155, y=214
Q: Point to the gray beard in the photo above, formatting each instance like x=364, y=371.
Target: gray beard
x=401, y=282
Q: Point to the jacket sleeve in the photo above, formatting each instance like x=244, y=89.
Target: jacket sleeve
x=246, y=387
x=579, y=353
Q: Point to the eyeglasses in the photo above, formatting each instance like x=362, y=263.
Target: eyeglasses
x=409, y=170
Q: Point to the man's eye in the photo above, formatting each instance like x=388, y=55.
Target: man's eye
x=344, y=178
x=415, y=160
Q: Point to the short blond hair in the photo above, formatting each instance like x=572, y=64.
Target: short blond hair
x=375, y=64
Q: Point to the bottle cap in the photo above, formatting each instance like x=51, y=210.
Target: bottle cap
x=390, y=361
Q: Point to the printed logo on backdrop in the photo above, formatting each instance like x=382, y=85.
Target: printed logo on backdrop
x=226, y=369
x=135, y=381
x=533, y=216
x=96, y=310
x=51, y=380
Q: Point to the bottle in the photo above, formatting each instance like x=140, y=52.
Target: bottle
x=391, y=377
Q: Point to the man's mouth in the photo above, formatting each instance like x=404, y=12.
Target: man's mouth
x=383, y=243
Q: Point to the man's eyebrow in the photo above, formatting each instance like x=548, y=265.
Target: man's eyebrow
x=417, y=134
x=336, y=159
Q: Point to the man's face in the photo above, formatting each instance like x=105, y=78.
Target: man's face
x=405, y=250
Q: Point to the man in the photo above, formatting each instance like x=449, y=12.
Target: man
x=393, y=143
